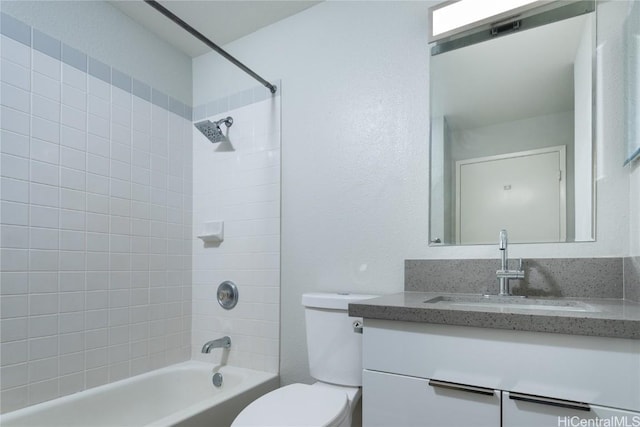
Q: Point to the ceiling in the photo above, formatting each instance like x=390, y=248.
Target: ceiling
x=221, y=21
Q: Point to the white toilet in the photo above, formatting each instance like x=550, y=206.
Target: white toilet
x=335, y=360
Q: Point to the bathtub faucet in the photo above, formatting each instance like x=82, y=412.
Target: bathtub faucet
x=224, y=342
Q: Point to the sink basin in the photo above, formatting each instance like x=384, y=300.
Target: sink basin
x=519, y=303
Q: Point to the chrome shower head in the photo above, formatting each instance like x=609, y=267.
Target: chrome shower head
x=212, y=129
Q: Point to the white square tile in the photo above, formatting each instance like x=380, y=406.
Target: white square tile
x=98, y=107
x=14, y=167
x=44, y=64
x=14, y=121
x=46, y=86
x=15, y=97
x=13, y=306
x=71, y=325
x=14, y=144
x=97, y=223
x=120, y=170
x=72, y=158
x=43, y=216
x=15, y=51
x=45, y=108
x=98, y=164
x=96, y=319
x=97, y=280
x=121, y=153
x=97, y=300
x=73, y=77
x=44, y=195
x=14, y=376
x=45, y=130
x=71, y=363
x=73, y=138
x=41, y=369
x=141, y=141
x=72, y=383
x=43, y=260
x=44, y=173
x=97, y=184
x=12, y=353
x=98, y=145
x=120, y=207
x=73, y=199
x=73, y=179
x=72, y=280
x=72, y=261
x=14, y=190
x=45, y=151
x=43, y=238
x=121, y=116
x=72, y=342
x=12, y=236
x=98, y=126
x=43, y=326
x=72, y=220
x=121, y=98
x=74, y=97
x=42, y=282
x=71, y=301
x=14, y=283
x=15, y=75
x=97, y=203
x=98, y=88
x=72, y=240
x=73, y=118
x=120, y=188
x=121, y=134
x=99, y=243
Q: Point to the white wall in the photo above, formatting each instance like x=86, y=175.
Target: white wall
x=110, y=36
x=241, y=188
x=355, y=166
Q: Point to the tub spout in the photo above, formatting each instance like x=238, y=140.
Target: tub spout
x=224, y=342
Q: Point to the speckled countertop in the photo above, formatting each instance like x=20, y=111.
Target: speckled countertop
x=608, y=317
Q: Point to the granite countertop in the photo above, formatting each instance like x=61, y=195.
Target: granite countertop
x=614, y=318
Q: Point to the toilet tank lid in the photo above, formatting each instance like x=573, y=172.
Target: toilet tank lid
x=336, y=301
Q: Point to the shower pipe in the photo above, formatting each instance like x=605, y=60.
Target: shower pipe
x=166, y=12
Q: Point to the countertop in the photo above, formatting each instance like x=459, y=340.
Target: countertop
x=613, y=318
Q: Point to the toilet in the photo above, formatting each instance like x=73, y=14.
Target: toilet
x=335, y=360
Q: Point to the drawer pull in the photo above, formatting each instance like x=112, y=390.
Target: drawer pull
x=462, y=387
x=569, y=404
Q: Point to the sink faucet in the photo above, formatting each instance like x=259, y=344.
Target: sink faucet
x=504, y=274
x=224, y=342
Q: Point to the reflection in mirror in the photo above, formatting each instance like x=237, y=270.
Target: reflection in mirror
x=511, y=137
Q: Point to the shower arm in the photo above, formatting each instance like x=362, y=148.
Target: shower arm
x=166, y=12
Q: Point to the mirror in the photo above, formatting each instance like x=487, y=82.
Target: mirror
x=512, y=126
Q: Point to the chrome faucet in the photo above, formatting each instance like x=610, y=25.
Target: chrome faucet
x=504, y=274
x=224, y=342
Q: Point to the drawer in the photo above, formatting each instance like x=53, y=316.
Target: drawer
x=596, y=370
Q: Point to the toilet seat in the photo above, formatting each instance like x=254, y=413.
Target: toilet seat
x=296, y=405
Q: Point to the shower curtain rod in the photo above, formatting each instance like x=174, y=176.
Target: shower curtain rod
x=166, y=12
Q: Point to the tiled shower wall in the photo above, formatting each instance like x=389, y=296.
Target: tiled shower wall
x=96, y=222
x=241, y=188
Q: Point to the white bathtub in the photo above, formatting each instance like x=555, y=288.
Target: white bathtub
x=178, y=395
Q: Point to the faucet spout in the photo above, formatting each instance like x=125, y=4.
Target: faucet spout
x=504, y=274
x=224, y=342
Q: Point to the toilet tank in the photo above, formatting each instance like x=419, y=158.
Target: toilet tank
x=335, y=350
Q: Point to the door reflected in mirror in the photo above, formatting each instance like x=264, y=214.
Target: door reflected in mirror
x=511, y=137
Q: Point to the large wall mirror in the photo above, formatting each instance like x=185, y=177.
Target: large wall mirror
x=512, y=128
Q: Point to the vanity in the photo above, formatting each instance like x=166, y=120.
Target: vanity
x=494, y=363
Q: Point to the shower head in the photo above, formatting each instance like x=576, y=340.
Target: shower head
x=212, y=129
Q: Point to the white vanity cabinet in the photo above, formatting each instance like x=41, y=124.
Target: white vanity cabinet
x=399, y=400
x=420, y=374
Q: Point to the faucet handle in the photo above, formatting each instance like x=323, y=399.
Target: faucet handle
x=502, y=244
x=520, y=264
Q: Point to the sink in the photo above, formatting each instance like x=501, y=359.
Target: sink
x=494, y=301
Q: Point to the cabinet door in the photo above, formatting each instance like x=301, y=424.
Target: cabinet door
x=520, y=410
x=391, y=400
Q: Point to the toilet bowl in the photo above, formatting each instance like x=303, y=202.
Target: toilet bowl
x=335, y=359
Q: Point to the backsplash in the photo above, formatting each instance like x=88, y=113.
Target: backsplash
x=551, y=277
x=632, y=278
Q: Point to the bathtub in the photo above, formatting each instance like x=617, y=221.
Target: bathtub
x=178, y=395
